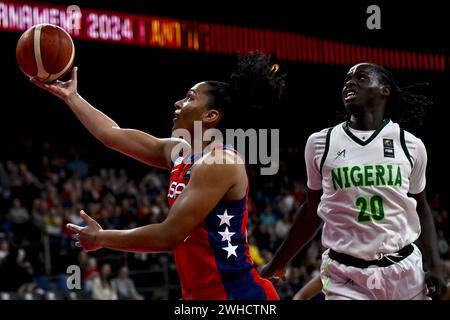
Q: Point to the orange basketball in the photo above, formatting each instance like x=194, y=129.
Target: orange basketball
x=45, y=51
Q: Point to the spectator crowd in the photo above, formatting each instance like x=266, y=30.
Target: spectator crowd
x=39, y=197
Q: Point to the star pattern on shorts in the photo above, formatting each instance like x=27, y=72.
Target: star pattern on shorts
x=225, y=218
x=226, y=235
x=231, y=250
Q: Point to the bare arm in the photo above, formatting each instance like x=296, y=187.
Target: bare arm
x=309, y=290
x=134, y=143
x=189, y=210
x=428, y=243
x=305, y=226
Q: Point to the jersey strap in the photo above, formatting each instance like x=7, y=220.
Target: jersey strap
x=327, y=147
x=405, y=149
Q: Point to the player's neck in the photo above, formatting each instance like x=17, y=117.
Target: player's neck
x=366, y=121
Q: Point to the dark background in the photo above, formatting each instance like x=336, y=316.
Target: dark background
x=138, y=86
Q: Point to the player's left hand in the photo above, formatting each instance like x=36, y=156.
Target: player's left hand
x=63, y=90
x=86, y=236
x=437, y=287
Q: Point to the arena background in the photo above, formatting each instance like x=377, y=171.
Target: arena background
x=138, y=85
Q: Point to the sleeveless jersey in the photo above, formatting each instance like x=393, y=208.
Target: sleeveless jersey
x=213, y=262
x=365, y=204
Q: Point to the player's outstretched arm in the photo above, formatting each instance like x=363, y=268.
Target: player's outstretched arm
x=305, y=226
x=134, y=143
x=309, y=290
x=428, y=242
x=191, y=207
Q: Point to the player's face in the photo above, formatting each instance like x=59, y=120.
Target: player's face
x=362, y=88
x=191, y=108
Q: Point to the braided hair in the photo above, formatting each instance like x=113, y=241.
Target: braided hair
x=254, y=85
x=403, y=106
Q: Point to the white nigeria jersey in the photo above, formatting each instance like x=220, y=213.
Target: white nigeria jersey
x=365, y=206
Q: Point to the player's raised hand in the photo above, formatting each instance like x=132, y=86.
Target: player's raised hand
x=86, y=236
x=62, y=90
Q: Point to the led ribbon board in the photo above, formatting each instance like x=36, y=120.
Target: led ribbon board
x=187, y=35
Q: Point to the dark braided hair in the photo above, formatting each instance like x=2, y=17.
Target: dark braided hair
x=254, y=85
x=403, y=106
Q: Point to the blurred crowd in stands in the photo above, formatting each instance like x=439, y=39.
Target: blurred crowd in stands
x=39, y=196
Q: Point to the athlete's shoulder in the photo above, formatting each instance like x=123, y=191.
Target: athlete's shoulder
x=317, y=143
x=408, y=136
x=413, y=146
x=320, y=137
x=410, y=139
x=219, y=156
x=319, y=134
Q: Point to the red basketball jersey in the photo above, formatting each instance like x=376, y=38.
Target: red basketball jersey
x=213, y=262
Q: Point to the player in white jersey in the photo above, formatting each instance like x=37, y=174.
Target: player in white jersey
x=366, y=182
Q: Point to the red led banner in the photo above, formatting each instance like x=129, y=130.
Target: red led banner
x=170, y=33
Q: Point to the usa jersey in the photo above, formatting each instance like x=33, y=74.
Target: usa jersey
x=365, y=204
x=213, y=262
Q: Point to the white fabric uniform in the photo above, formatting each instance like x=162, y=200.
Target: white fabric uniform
x=365, y=207
x=404, y=280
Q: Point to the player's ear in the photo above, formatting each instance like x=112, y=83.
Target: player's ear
x=211, y=116
x=386, y=90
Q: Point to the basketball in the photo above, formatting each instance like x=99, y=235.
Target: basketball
x=45, y=51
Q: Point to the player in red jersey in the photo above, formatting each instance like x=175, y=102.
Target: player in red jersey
x=206, y=225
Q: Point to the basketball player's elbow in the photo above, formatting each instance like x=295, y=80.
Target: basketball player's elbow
x=169, y=243
x=169, y=238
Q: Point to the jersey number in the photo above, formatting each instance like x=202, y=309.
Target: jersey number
x=372, y=208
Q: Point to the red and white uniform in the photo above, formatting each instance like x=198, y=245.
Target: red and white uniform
x=213, y=262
